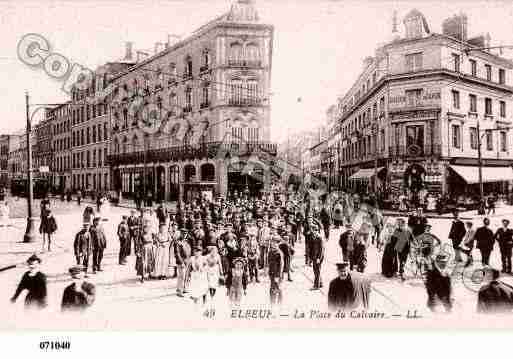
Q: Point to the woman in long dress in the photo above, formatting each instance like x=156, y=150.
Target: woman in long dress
x=389, y=264
x=214, y=270
x=198, y=286
x=144, y=263
x=162, y=243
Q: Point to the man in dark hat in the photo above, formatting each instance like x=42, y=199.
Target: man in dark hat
x=83, y=246
x=494, y=296
x=349, y=290
x=456, y=234
x=438, y=283
x=99, y=243
x=80, y=294
x=124, y=240
x=288, y=253
x=485, y=241
x=504, y=237
x=134, y=225
x=34, y=282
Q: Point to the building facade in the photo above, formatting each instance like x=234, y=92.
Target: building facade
x=17, y=161
x=42, y=147
x=90, y=129
x=4, y=160
x=60, y=119
x=413, y=119
x=204, y=113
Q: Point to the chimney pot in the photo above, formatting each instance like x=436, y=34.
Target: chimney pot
x=128, y=50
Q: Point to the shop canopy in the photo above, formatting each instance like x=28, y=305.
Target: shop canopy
x=490, y=174
x=365, y=173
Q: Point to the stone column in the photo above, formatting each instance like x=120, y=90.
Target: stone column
x=167, y=181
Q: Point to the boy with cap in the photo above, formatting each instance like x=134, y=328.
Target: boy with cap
x=80, y=294
x=83, y=246
x=253, y=252
x=236, y=281
x=34, y=282
x=182, y=257
x=275, y=261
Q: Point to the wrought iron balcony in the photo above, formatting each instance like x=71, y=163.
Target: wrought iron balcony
x=245, y=63
x=414, y=151
x=200, y=151
x=244, y=101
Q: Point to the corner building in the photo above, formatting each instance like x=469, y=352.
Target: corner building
x=216, y=80
x=412, y=120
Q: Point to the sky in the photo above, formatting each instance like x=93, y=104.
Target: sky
x=318, y=53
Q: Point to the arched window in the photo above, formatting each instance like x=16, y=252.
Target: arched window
x=189, y=172
x=205, y=95
x=208, y=172
x=188, y=67
x=235, y=55
x=252, y=53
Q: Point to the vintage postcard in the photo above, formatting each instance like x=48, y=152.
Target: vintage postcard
x=255, y=164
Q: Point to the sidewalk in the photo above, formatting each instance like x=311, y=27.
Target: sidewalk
x=501, y=210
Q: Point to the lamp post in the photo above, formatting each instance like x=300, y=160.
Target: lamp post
x=30, y=232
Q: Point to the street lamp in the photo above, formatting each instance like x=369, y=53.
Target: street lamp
x=30, y=232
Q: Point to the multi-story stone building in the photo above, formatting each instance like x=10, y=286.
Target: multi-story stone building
x=42, y=150
x=213, y=84
x=4, y=160
x=17, y=161
x=60, y=119
x=90, y=128
x=416, y=112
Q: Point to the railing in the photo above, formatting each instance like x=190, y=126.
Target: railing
x=187, y=109
x=245, y=63
x=200, y=151
x=414, y=151
x=244, y=101
x=187, y=76
x=205, y=105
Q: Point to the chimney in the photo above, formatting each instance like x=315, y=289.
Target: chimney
x=128, y=50
x=141, y=55
x=456, y=27
x=158, y=47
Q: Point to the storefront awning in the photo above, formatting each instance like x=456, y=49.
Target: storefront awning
x=490, y=174
x=365, y=173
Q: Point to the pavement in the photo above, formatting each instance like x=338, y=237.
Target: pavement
x=125, y=303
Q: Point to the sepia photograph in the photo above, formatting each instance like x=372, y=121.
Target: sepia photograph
x=255, y=164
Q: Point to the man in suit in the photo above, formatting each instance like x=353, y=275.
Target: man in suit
x=495, y=296
x=316, y=254
x=485, y=241
x=349, y=290
x=83, y=247
x=99, y=243
x=402, y=238
x=456, y=234
x=276, y=262
x=504, y=236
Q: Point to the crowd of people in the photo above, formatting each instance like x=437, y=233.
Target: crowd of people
x=206, y=245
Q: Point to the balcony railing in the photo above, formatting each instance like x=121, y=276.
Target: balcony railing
x=200, y=151
x=244, y=102
x=414, y=151
x=245, y=63
x=205, y=104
